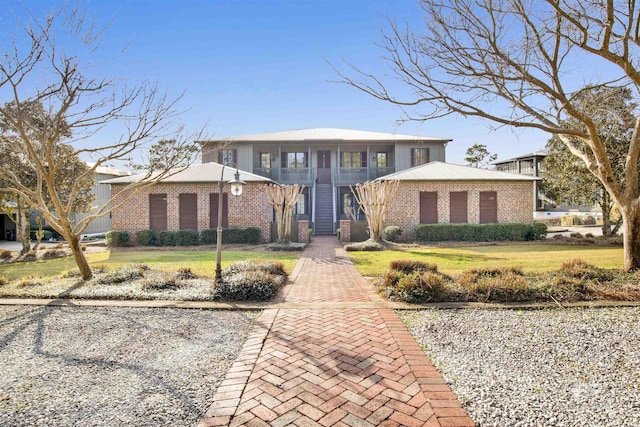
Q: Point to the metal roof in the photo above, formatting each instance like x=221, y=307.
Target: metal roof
x=541, y=153
x=439, y=171
x=200, y=173
x=327, y=134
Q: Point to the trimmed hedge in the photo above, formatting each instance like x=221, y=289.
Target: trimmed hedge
x=191, y=237
x=117, y=238
x=480, y=232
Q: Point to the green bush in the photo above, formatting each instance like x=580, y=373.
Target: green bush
x=410, y=266
x=186, y=238
x=166, y=238
x=479, y=232
x=250, y=235
x=117, y=238
x=146, y=238
x=391, y=233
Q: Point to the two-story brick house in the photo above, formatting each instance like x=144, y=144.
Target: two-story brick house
x=327, y=161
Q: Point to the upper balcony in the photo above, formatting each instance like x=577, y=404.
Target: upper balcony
x=336, y=176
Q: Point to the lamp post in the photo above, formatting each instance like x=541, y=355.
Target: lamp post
x=236, y=190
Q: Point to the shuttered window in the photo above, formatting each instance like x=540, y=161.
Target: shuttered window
x=488, y=207
x=158, y=212
x=213, y=210
x=188, y=211
x=428, y=207
x=458, y=207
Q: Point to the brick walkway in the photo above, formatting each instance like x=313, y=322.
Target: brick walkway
x=324, y=366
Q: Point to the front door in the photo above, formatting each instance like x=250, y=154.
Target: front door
x=324, y=167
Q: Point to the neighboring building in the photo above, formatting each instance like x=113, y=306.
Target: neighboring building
x=446, y=193
x=189, y=199
x=103, y=195
x=532, y=164
x=327, y=161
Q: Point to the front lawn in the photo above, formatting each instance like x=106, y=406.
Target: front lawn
x=531, y=257
x=201, y=262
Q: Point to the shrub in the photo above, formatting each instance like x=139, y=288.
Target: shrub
x=579, y=269
x=410, y=266
x=567, y=220
x=3, y=280
x=185, y=273
x=30, y=280
x=159, y=281
x=253, y=235
x=576, y=235
x=54, y=253
x=414, y=287
x=367, y=245
x=146, y=238
x=117, y=238
x=479, y=232
x=123, y=274
x=501, y=284
x=28, y=257
x=588, y=220
x=186, y=238
x=166, y=238
x=272, y=267
x=5, y=254
x=391, y=233
x=208, y=236
x=233, y=235
x=256, y=285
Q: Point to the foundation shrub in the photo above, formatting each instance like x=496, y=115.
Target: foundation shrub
x=186, y=238
x=146, y=238
x=410, y=266
x=480, y=232
x=391, y=233
x=117, y=238
x=249, y=235
x=166, y=238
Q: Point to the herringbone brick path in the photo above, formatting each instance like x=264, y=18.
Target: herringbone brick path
x=332, y=367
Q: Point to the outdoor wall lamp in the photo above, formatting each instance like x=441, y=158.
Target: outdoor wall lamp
x=236, y=190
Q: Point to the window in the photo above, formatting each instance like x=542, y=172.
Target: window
x=419, y=156
x=301, y=205
x=353, y=160
x=265, y=160
x=227, y=155
x=294, y=160
x=381, y=160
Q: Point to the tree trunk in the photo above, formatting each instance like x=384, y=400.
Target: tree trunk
x=23, y=229
x=81, y=260
x=631, y=230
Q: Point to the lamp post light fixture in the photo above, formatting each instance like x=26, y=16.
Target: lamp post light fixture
x=236, y=190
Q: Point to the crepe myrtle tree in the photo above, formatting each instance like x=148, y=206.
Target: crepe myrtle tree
x=54, y=109
x=522, y=64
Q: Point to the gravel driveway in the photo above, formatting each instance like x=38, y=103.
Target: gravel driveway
x=83, y=366
x=574, y=367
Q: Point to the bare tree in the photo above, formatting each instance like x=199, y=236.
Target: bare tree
x=283, y=198
x=520, y=63
x=374, y=198
x=77, y=106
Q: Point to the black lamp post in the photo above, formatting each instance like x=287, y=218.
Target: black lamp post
x=236, y=190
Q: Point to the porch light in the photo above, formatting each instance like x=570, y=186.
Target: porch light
x=236, y=190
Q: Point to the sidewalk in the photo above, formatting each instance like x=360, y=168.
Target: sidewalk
x=332, y=366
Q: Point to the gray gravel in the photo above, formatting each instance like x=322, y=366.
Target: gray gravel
x=574, y=367
x=83, y=366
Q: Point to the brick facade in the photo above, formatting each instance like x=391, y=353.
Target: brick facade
x=515, y=202
x=251, y=209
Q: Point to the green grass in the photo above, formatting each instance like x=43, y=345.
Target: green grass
x=454, y=260
x=201, y=262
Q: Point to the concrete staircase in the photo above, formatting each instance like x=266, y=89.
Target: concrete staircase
x=324, y=210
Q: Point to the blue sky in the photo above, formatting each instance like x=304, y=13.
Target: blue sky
x=250, y=66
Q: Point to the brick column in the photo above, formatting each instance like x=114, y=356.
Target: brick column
x=303, y=231
x=345, y=230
